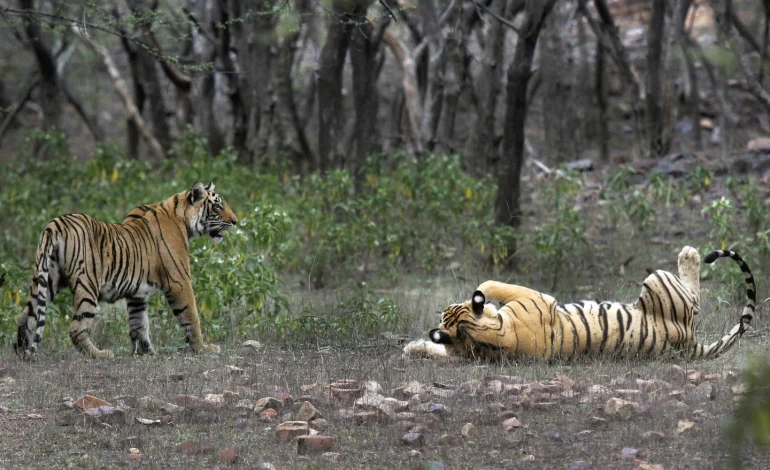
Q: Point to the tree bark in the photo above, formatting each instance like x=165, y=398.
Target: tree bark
x=480, y=148
x=292, y=138
x=658, y=146
x=507, y=204
x=51, y=99
x=410, y=85
x=346, y=16
x=601, y=102
x=149, y=74
x=363, y=57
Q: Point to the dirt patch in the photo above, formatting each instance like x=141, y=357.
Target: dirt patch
x=456, y=415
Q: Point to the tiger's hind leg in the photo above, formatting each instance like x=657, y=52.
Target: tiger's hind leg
x=689, y=273
x=138, y=325
x=31, y=323
x=83, y=313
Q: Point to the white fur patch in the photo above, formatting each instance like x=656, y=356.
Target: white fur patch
x=424, y=349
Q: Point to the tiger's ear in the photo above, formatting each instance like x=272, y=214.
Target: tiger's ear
x=477, y=301
x=210, y=186
x=197, y=193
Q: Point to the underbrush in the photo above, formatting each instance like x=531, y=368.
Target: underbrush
x=396, y=218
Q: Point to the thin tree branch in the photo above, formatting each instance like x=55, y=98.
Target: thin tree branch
x=387, y=7
x=122, y=88
x=496, y=16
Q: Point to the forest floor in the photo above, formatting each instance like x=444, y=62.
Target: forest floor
x=522, y=415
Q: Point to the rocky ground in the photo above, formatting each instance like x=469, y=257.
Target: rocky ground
x=257, y=408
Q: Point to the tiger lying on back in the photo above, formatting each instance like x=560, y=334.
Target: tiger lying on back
x=107, y=262
x=532, y=324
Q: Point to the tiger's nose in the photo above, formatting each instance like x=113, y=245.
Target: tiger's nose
x=234, y=219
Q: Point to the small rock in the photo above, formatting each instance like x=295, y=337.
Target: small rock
x=511, y=423
x=684, y=425
x=268, y=402
x=438, y=409
x=405, y=415
x=4, y=409
x=191, y=402
x=468, y=430
x=268, y=415
x=215, y=398
x=253, y=344
x=441, y=392
x=413, y=388
x=288, y=430
x=194, y=448
x=413, y=439
x=105, y=414
x=579, y=465
x=628, y=453
x=369, y=401
x=266, y=466
x=89, y=401
x=307, y=412
x=228, y=456
x=705, y=390
x=760, y=144
x=693, y=376
x=222, y=373
x=134, y=454
x=653, y=436
x=597, y=421
x=647, y=466
x=620, y=409
x=555, y=435
x=307, y=445
x=331, y=456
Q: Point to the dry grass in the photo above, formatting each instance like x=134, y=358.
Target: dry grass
x=554, y=437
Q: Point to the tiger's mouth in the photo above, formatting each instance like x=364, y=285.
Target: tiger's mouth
x=217, y=234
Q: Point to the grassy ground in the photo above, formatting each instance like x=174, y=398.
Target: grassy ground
x=38, y=431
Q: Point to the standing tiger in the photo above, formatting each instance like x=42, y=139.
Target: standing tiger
x=532, y=324
x=99, y=261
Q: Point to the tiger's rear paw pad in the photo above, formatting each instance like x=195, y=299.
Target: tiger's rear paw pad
x=689, y=262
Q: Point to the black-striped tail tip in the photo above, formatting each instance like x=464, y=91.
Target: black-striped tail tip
x=713, y=256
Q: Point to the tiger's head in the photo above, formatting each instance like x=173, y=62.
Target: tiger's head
x=471, y=325
x=207, y=213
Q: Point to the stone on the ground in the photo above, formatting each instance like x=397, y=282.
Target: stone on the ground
x=511, y=423
x=413, y=439
x=89, y=401
x=228, y=456
x=288, y=430
x=468, y=430
x=307, y=445
x=307, y=412
x=620, y=409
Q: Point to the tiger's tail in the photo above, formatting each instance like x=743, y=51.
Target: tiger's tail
x=32, y=319
x=727, y=341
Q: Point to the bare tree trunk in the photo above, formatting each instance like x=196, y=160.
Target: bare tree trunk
x=655, y=51
x=346, y=16
x=363, y=55
x=292, y=138
x=433, y=97
x=410, y=85
x=480, y=146
x=149, y=75
x=132, y=131
x=558, y=126
x=765, y=39
x=507, y=205
x=204, y=12
x=51, y=99
x=601, y=101
x=252, y=24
